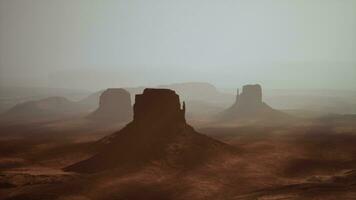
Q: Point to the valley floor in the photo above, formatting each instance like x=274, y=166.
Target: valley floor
x=314, y=161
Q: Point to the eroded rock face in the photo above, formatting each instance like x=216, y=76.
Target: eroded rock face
x=114, y=105
x=158, y=105
x=158, y=134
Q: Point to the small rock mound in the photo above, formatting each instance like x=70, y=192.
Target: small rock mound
x=114, y=106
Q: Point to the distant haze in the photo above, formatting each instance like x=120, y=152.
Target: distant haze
x=95, y=44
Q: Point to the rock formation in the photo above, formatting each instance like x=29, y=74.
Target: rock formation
x=114, y=106
x=250, y=97
x=158, y=104
x=44, y=109
x=249, y=105
x=157, y=134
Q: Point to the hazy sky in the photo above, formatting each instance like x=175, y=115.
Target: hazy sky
x=107, y=43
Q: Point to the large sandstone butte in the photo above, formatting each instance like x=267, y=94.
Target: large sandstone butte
x=156, y=105
x=249, y=105
x=114, y=106
x=157, y=134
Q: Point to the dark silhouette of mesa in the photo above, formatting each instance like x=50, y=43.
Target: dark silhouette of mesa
x=158, y=133
x=177, y=100
x=249, y=106
x=114, y=106
x=150, y=150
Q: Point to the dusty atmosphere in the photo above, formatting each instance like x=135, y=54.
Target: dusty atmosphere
x=177, y=100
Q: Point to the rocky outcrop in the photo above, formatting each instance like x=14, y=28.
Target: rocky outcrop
x=249, y=106
x=114, y=106
x=158, y=105
x=158, y=134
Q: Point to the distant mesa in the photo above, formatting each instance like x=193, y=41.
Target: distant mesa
x=114, y=106
x=200, y=91
x=44, y=109
x=249, y=105
x=202, y=99
x=93, y=100
x=158, y=134
x=249, y=102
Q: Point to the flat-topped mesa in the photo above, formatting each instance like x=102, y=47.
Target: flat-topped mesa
x=114, y=105
x=158, y=134
x=158, y=105
x=251, y=96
